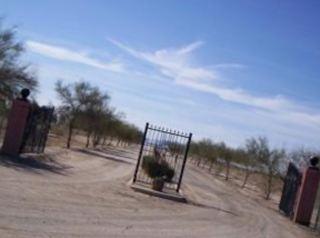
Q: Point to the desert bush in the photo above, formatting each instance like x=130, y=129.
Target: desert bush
x=156, y=168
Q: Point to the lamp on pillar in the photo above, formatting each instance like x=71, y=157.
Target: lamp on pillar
x=307, y=193
x=17, y=122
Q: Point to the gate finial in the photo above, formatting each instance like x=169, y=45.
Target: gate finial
x=24, y=94
x=314, y=161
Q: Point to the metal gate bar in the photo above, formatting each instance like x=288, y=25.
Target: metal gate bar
x=37, y=129
x=290, y=189
x=173, y=147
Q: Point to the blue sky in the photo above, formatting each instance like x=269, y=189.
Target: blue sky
x=227, y=70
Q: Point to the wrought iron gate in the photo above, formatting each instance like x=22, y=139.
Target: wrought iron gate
x=37, y=129
x=290, y=190
x=169, y=146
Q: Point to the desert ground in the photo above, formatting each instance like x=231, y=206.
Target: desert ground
x=86, y=193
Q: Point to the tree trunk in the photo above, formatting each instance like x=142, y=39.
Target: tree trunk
x=199, y=161
x=218, y=169
x=211, y=166
x=227, y=170
x=70, y=133
x=195, y=160
x=95, y=140
x=104, y=140
x=98, y=139
x=88, y=139
x=246, y=177
x=204, y=164
x=269, y=186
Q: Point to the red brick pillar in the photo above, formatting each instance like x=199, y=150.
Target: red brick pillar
x=17, y=121
x=306, y=196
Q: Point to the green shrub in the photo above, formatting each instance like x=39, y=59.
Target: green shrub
x=157, y=169
x=147, y=160
x=169, y=174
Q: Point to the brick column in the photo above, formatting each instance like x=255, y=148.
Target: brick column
x=306, y=196
x=17, y=121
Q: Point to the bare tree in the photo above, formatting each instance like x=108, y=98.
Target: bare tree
x=94, y=116
x=14, y=75
x=87, y=109
x=205, y=146
x=76, y=100
x=250, y=157
x=269, y=162
x=272, y=165
x=226, y=154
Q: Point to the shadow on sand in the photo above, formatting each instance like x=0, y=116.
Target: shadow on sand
x=34, y=163
x=211, y=207
x=119, y=152
x=101, y=154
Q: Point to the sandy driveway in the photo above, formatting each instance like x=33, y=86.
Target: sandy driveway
x=85, y=194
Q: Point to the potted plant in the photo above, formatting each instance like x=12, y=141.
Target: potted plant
x=158, y=183
x=158, y=170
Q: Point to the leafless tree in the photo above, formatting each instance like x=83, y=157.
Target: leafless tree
x=77, y=100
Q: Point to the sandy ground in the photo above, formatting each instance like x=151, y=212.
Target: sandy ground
x=85, y=193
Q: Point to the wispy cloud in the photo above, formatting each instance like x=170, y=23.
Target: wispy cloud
x=240, y=96
x=177, y=64
x=180, y=65
x=173, y=63
x=64, y=54
x=152, y=98
x=191, y=47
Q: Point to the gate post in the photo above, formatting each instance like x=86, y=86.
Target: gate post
x=184, y=162
x=290, y=190
x=307, y=193
x=17, y=121
x=140, y=152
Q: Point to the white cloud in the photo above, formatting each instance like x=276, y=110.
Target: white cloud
x=179, y=65
x=64, y=54
x=191, y=47
x=239, y=96
x=176, y=64
x=173, y=63
x=276, y=117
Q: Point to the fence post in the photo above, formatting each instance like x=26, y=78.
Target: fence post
x=184, y=162
x=140, y=153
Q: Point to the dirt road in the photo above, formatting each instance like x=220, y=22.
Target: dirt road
x=84, y=193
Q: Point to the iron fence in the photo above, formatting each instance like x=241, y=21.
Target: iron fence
x=290, y=190
x=167, y=145
x=37, y=129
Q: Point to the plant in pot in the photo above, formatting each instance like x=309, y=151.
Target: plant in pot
x=158, y=170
